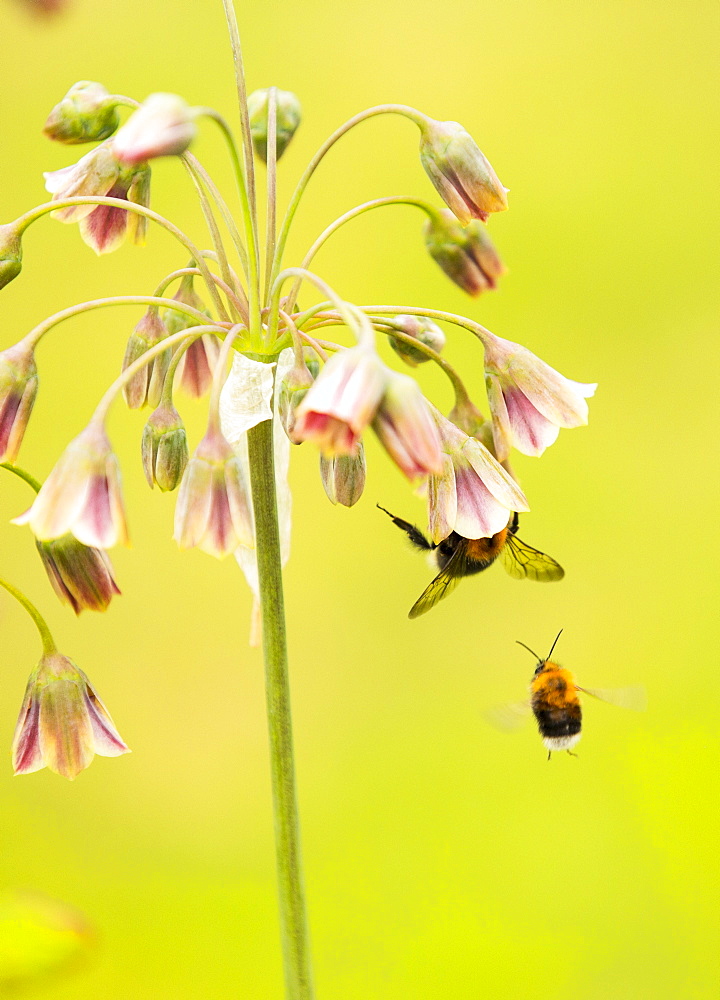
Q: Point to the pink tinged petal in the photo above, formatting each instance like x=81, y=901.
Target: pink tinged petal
x=197, y=366
x=240, y=505
x=442, y=502
x=501, y=429
x=66, y=737
x=192, y=511
x=407, y=430
x=26, y=753
x=499, y=482
x=479, y=514
x=61, y=498
x=532, y=433
x=332, y=436
x=106, y=739
x=105, y=228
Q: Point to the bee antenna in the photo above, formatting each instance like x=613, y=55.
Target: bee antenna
x=555, y=643
x=528, y=649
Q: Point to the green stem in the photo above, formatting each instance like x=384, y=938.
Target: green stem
x=40, y=623
x=270, y=233
x=22, y=474
x=224, y=210
x=293, y=919
x=382, y=109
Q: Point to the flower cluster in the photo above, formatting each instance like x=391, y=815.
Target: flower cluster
x=326, y=392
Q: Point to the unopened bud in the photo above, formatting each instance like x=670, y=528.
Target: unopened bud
x=164, y=448
x=343, y=477
x=87, y=113
x=466, y=255
x=18, y=389
x=195, y=370
x=81, y=575
x=164, y=125
x=293, y=390
x=460, y=172
x=423, y=330
x=145, y=387
x=288, y=117
x=10, y=253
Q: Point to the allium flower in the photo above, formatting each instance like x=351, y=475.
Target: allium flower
x=424, y=331
x=406, y=428
x=343, y=477
x=465, y=254
x=18, y=389
x=474, y=495
x=529, y=400
x=213, y=509
x=145, y=387
x=10, y=253
x=461, y=174
x=195, y=371
x=100, y=174
x=164, y=125
x=164, y=448
x=342, y=401
x=81, y=496
x=87, y=113
x=81, y=575
x=62, y=722
x=287, y=120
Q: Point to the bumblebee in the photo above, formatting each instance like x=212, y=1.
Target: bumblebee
x=555, y=702
x=458, y=557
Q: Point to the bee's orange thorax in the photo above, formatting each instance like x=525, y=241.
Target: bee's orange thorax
x=486, y=549
x=554, y=686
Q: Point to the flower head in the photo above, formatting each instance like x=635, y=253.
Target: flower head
x=461, y=174
x=473, y=495
x=62, y=722
x=465, y=254
x=421, y=329
x=406, y=428
x=145, y=387
x=100, y=174
x=164, y=448
x=213, y=509
x=81, y=496
x=10, y=253
x=342, y=401
x=81, y=575
x=287, y=120
x=164, y=125
x=87, y=113
x=18, y=389
x=529, y=400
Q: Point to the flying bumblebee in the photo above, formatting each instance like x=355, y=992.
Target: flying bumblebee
x=458, y=557
x=555, y=703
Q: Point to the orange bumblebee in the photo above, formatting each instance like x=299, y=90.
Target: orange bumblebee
x=458, y=557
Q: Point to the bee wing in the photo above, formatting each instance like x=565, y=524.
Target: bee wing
x=445, y=582
x=634, y=697
x=508, y=718
x=524, y=562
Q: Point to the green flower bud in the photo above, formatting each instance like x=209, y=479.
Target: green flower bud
x=10, y=253
x=343, y=477
x=164, y=448
x=87, y=113
x=423, y=330
x=287, y=120
x=466, y=255
x=145, y=387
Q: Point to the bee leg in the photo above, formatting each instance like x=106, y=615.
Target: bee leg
x=414, y=534
x=549, y=754
x=571, y=753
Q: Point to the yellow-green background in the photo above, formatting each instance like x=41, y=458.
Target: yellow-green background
x=443, y=859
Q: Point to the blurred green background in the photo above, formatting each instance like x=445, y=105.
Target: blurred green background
x=443, y=859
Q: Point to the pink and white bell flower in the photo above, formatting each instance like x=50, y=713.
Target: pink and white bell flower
x=163, y=125
x=473, y=496
x=100, y=174
x=529, y=400
x=405, y=426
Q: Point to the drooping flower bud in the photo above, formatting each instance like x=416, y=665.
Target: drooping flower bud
x=292, y=390
x=343, y=477
x=195, y=371
x=145, y=387
x=62, y=722
x=10, y=253
x=405, y=426
x=423, y=330
x=342, y=401
x=87, y=113
x=460, y=172
x=164, y=448
x=213, y=509
x=288, y=119
x=529, y=400
x=82, y=495
x=466, y=255
x=18, y=389
x=81, y=575
x=163, y=125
